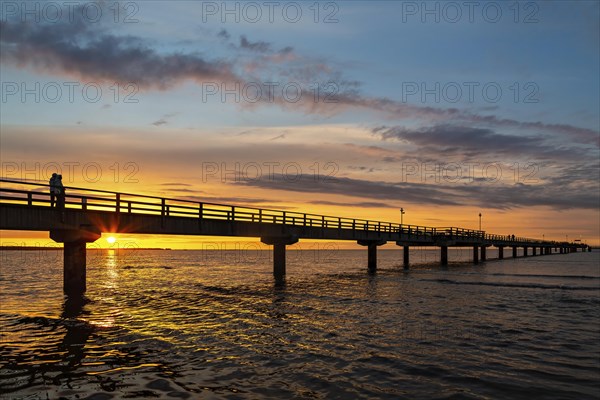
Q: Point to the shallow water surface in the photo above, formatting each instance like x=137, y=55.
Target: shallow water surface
x=213, y=324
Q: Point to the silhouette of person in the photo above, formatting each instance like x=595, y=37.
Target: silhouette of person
x=60, y=192
x=53, y=189
x=513, y=238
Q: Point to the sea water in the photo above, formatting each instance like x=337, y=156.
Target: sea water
x=214, y=324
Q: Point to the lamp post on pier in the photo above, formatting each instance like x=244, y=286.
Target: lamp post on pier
x=479, y=221
x=402, y=216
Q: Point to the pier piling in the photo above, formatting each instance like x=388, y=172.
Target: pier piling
x=372, y=252
x=444, y=255
x=279, y=249
x=74, y=256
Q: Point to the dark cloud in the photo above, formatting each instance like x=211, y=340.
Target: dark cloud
x=261, y=47
x=354, y=187
x=248, y=201
x=174, y=184
x=367, y=204
x=471, y=142
x=223, y=34
x=163, y=119
x=501, y=196
x=160, y=122
x=86, y=51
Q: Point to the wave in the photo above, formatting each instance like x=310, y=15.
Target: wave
x=518, y=285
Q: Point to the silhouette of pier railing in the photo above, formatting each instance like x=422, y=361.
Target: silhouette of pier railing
x=102, y=200
x=85, y=213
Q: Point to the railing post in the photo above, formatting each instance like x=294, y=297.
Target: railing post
x=84, y=203
x=233, y=213
x=29, y=199
x=323, y=221
x=304, y=220
x=118, y=203
x=284, y=219
x=260, y=215
x=353, y=224
x=129, y=207
x=162, y=207
x=200, y=215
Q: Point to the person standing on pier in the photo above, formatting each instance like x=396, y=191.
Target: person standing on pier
x=53, y=189
x=60, y=192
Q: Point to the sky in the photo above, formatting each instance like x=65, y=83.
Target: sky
x=345, y=108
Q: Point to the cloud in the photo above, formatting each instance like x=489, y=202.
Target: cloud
x=500, y=196
x=83, y=50
x=366, y=204
x=174, y=184
x=163, y=119
x=260, y=47
x=223, y=34
x=160, y=122
x=471, y=142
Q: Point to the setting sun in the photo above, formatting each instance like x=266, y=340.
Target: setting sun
x=111, y=239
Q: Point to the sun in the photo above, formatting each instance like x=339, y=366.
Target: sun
x=111, y=239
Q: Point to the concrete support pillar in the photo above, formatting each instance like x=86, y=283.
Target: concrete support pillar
x=483, y=255
x=372, y=252
x=74, y=256
x=406, y=250
x=444, y=255
x=561, y=251
x=74, y=269
x=279, y=248
x=501, y=252
x=533, y=251
x=475, y=254
x=279, y=261
x=589, y=249
x=514, y=252
x=372, y=257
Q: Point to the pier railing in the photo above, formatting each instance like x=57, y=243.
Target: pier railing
x=38, y=194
